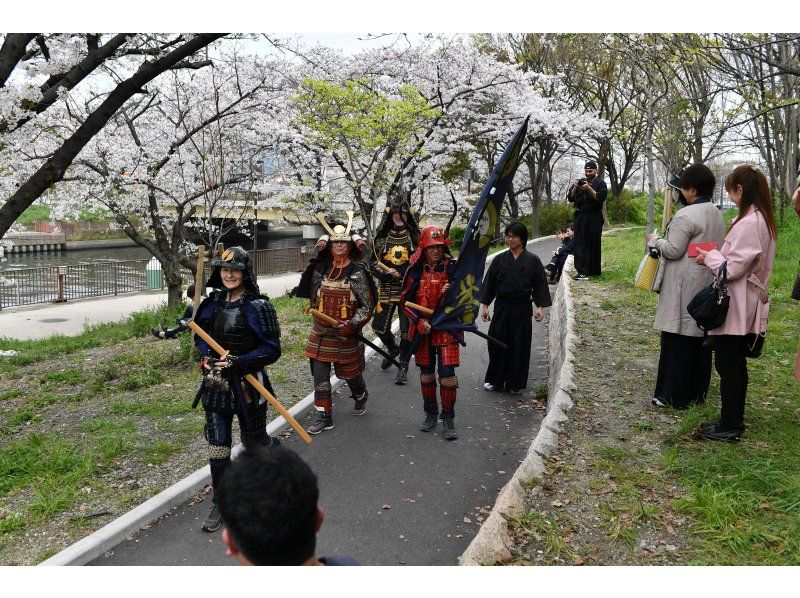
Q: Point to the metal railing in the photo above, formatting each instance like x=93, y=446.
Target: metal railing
x=27, y=286
x=279, y=260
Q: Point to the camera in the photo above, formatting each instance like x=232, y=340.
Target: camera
x=581, y=182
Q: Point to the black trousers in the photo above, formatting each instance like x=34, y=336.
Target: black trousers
x=511, y=324
x=731, y=365
x=588, y=236
x=684, y=370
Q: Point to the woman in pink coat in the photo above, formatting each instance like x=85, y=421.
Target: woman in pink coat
x=749, y=250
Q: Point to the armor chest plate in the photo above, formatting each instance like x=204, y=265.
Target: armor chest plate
x=430, y=285
x=229, y=328
x=337, y=300
x=397, y=248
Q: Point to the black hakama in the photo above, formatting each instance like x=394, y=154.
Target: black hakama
x=513, y=284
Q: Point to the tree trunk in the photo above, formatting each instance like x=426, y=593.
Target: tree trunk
x=651, y=187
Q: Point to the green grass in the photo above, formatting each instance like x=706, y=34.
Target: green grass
x=159, y=452
x=742, y=500
x=10, y=394
x=101, y=335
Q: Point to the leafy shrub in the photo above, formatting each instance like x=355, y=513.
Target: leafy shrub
x=555, y=216
x=456, y=236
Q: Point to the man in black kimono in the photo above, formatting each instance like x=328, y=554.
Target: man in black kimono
x=515, y=279
x=588, y=195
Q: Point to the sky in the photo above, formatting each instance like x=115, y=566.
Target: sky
x=408, y=15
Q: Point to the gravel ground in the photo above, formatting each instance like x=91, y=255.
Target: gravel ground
x=606, y=497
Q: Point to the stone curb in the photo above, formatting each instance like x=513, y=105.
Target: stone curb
x=492, y=543
x=492, y=546
x=94, y=545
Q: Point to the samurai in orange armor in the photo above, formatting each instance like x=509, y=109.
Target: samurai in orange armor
x=427, y=280
x=341, y=288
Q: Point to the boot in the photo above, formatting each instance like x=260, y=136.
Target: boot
x=391, y=349
x=323, y=422
x=429, y=423
x=213, y=521
x=402, y=374
x=360, y=408
x=449, y=429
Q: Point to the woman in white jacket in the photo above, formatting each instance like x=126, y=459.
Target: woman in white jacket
x=749, y=250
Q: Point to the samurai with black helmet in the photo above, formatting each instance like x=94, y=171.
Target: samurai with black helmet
x=395, y=241
x=245, y=323
x=340, y=287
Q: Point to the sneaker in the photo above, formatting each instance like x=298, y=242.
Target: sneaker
x=213, y=521
x=429, y=423
x=323, y=422
x=488, y=386
x=715, y=433
x=360, y=408
x=386, y=363
x=449, y=429
x=656, y=402
x=402, y=375
x=580, y=277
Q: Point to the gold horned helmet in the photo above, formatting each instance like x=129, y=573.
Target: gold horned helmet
x=338, y=232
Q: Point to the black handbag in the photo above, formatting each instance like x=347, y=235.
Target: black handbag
x=709, y=307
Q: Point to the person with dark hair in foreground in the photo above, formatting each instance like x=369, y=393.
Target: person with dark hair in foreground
x=268, y=501
x=516, y=279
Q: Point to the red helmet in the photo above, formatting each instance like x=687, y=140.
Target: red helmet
x=431, y=236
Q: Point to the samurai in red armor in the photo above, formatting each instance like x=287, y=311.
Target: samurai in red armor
x=427, y=280
x=341, y=288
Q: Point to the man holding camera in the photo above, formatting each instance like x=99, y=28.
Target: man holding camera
x=588, y=195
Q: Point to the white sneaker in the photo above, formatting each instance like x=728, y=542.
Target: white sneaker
x=487, y=386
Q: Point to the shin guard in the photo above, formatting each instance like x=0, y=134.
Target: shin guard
x=447, y=392
x=428, y=384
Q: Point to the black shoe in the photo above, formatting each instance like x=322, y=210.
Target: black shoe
x=449, y=429
x=716, y=433
x=402, y=375
x=580, y=277
x=323, y=422
x=710, y=426
x=386, y=363
x=360, y=408
x=213, y=521
x=429, y=423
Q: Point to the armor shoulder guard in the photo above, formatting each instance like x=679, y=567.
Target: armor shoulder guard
x=267, y=316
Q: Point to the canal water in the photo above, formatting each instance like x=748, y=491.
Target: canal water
x=16, y=261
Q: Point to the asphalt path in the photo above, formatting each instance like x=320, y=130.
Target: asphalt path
x=392, y=495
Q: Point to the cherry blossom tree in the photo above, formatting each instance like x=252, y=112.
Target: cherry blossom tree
x=39, y=72
x=184, y=154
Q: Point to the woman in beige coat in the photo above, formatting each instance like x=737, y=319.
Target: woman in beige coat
x=684, y=366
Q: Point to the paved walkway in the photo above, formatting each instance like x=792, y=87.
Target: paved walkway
x=392, y=494
x=70, y=318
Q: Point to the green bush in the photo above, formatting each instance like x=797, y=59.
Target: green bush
x=628, y=208
x=456, y=236
x=555, y=216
